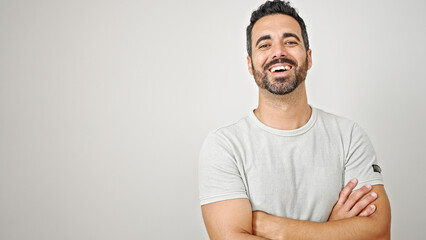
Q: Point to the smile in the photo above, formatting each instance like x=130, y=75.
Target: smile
x=281, y=68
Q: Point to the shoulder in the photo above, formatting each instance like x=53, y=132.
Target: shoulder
x=334, y=118
x=342, y=124
x=231, y=131
x=347, y=130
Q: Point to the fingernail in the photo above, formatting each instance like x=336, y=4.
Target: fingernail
x=373, y=207
x=353, y=180
x=374, y=194
x=368, y=186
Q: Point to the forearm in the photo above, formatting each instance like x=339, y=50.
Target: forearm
x=232, y=235
x=355, y=228
x=243, y=236
x=375, y=226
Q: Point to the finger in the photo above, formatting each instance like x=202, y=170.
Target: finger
x=368, y=211
x=363, y=203
x=346, y=191
x=356, y=196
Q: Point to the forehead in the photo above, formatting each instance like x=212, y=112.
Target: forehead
x=275, y=24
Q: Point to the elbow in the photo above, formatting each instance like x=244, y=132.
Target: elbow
x=382, y=235
x=385, y=232
x=382, y=227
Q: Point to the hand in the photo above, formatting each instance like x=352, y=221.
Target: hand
x=356, y=203
x=266, y=225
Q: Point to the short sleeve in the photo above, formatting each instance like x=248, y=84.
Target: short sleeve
x=219, y=175
x=361, y=161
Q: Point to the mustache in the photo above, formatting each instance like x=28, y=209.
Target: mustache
x=279, y=60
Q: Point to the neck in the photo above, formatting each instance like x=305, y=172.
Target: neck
x=284, y=112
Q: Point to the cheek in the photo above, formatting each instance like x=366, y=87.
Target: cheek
x=259, y=62
x=300, y=57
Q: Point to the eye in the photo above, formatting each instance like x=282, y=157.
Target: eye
x=290, y=43
x=265, y=45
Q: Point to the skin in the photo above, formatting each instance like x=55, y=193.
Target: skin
x=361, y=214
x=289, y=111
x=234, y=219
x=375, y=226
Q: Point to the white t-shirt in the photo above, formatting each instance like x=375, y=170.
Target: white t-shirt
x=289, y=173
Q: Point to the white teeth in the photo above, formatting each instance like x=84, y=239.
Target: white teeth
x=277, y=68
x=285, y=68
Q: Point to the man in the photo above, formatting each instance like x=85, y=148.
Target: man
x=289, y=170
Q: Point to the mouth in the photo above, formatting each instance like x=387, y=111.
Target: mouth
x=281, y=68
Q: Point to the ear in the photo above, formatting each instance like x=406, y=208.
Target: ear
x=249, y=65
x=309, y=57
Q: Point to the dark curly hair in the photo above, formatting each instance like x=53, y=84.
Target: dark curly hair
x=275, y=7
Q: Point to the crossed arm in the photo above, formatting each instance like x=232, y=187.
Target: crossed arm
x=352, y=218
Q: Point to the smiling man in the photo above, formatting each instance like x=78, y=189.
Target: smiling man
x=289, y=170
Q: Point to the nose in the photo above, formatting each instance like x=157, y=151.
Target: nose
x=279, y=50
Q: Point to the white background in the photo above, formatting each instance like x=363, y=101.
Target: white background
x=105, y=104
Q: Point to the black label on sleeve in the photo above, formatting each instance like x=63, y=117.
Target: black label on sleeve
x=376, y=168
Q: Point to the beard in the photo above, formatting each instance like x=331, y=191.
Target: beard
x=281, y=85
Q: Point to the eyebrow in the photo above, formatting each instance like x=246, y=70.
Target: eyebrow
x=285, y=35
x=264, y=37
